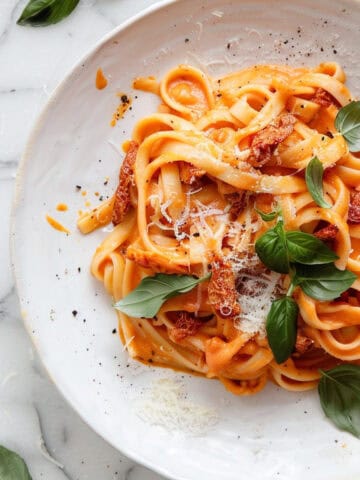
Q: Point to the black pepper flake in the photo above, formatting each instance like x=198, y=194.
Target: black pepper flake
x=78, y=187
x=321, y=49
x=335, y=51
x=114, y=331
x=228, y=46
x=124, y=99
x=101, y=198
x=74, y=312
x=187, y=40
x=196, y=234
x=106, y=182
x=79, y=269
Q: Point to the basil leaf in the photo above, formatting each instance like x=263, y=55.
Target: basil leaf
x=281, y=327
x=267, y=217
x=39, y=13
x=152, y=292
x=12, y=467
x=271, y=249
x=307, y=249
x=339, y=391
x=323, y=282
x=314, y=182
x=347, y=122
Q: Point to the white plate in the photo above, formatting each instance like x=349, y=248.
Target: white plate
x=274, y=435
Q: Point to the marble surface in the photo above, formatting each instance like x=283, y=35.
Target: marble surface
x=35, y=420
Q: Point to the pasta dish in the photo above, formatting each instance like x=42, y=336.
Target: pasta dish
x=237, y=222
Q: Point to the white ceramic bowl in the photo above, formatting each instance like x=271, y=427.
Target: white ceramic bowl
x=274, y=435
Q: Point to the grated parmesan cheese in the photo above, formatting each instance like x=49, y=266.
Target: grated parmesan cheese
x=217, y=13
x=163, y=208
x=166, y=405
x=127, y=343
x=257, y=294
x=257, y=289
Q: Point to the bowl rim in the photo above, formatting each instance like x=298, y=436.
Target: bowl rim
x=131, y=453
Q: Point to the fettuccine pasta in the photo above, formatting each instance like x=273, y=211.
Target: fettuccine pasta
x=195, y=175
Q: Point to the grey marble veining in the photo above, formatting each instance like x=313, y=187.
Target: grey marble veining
x=35, y=420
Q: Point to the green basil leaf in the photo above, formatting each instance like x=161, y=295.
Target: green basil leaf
x=339, y=391
x=347, y=122
x=307, y=249
x=267, y=217
x=12, y=466
x=271, y=249
x=148, y=297
x=314, y=181
x=323, y=282
x=39, y=13
x=281, y=327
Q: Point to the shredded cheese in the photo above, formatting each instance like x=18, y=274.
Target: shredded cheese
x=257, y=292
x=166, y=405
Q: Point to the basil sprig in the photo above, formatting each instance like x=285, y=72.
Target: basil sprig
x=323, y=282
x=309, y=262
x=272, y=250
x=40, y=13
x=314, y=181
x=339, y=391
x=12, y=466
x=347, y=122
x=308, y=249
x=277, y=249
x=281, y=327
x=267, y=217
x=147, y=298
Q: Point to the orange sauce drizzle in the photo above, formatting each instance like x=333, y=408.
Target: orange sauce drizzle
x=55, y=224
x=125, y=103
x=101, y=81
x=61, y=207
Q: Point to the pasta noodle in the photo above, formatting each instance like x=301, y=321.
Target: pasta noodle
x=193, y=175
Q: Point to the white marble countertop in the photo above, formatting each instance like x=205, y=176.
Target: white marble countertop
x=35, y=420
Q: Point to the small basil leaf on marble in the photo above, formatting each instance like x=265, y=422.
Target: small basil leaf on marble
x=307, y=249
x=314, y=181
x=339, y=391
x=323, y=282
x=347, y=122
x=40, y=13
x=272, y=250
x=267, y=217
x=281, y=327
x=148, y=297
x=12, y=466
